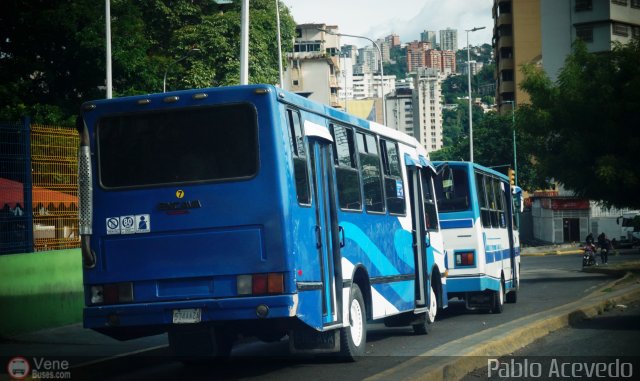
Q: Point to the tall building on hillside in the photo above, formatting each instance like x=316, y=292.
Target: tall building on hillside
x=314, y=64
x=399, y=106
x=369, y=56
x=597, y=22
x=427, y=110
x=416, y=55
x=385, y=50
x=433, y=59
x=517, y=41
x=449, y=39
x=448, y=62
x=429, y=36
x=393, y=40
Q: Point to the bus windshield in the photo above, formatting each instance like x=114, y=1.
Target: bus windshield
x=178, y=146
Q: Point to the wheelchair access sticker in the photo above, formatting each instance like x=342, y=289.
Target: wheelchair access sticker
x=133, y=224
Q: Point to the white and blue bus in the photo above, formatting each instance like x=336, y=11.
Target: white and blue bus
x=477, y=209
x=251, y=210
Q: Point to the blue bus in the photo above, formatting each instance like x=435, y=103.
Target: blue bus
x=477, y=209
x=250, y=210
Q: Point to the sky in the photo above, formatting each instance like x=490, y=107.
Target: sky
x=407, y=18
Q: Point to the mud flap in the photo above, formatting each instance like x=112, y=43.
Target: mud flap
x=306, y=340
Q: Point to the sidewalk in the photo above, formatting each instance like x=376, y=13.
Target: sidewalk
x=454, y=360
x=561, y=249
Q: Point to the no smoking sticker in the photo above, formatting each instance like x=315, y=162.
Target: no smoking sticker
x=113, y=225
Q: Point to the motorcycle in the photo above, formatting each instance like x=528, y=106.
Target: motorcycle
x=589, y=256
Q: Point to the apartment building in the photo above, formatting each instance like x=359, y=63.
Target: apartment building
x=596, y=22
x=314, y=65
x=427, y=110
x=399, y=106
x=430, y=37
x=416, y=55
x=517, y=41
x=449, y=39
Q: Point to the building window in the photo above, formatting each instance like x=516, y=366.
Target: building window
x=295, y=82
x=620, y=2
x=585, y=33
x=584, y=5
x=635, y=3
x=620, y=30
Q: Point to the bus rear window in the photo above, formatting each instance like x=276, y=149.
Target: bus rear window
x=452, y=190
x=178, y=146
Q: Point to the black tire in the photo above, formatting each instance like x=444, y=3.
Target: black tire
x=426, y=323
x=498, y=299
x=512, y=296
x=353, y=338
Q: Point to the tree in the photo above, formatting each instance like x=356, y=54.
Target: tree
x=582, y=129
x=52, y=52
x=493, y=147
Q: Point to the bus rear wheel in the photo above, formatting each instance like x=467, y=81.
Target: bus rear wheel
x=353, y=338
x=498, y=299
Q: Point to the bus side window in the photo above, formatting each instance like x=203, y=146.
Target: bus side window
x=493, y=203
x=296, y=140
x=428, y=199
x=370, y=164
x=394, y=186
x=346, y=165
x=501, y=203
x=485, y=213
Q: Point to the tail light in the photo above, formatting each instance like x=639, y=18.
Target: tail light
x=465, y=258
x=114, y=293
x=260, y=284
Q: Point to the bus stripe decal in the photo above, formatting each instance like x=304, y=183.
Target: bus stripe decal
x=456, y=224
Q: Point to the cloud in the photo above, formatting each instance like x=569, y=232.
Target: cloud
x=438, y=15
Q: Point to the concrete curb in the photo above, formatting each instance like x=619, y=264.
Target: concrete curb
x=552, y=252
x=454, y=360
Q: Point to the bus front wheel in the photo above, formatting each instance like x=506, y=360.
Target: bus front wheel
x=353, y=337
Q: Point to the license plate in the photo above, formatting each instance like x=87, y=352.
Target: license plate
x=187, y=316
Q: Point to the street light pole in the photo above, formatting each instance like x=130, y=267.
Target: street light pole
x=107, y=16
x=164, y=81
x=469, y=83
x=513, y=127
x=244, y=43
x=384, y=108
x=279, y=44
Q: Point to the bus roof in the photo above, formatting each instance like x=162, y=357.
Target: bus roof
x=474, y=165
x=186, y=97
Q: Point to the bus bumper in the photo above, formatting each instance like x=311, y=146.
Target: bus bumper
x=162, y=313
x=471, y=284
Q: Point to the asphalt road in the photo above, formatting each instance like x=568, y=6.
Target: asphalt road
x=611, y=339
x=546, y=282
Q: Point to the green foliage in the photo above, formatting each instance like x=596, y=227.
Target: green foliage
x=398, y=66
x=52, y=53
x=582, y=129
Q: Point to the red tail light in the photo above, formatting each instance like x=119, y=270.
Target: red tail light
x=465, y=258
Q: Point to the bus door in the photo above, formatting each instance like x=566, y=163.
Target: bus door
x=327, y=230
x=510, y=213
x=420, y=238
